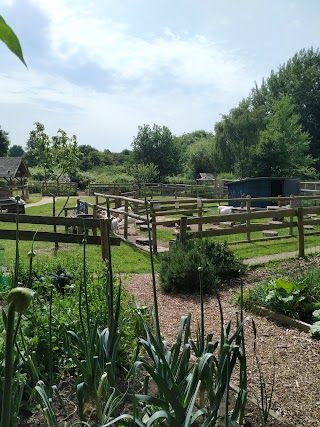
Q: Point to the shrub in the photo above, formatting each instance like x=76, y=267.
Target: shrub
x=179, y=267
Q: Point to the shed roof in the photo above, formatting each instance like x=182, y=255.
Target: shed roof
x=204, y=175
x=13, y=167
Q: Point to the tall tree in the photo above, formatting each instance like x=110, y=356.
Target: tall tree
x=299, y=78
x=4, y=143
x=58, y=156
x=90, y=157
x=184, y=141
x=155, y=146
x=16, y=151
x=283, y=146
x=236, y=136
x=199, y=157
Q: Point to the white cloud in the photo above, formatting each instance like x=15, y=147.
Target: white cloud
x=101, y=119
x=180, y=80
x=78, y=34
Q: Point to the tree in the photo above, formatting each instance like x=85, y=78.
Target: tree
x=58, y=157
x=89, y=157
x=4, y=143
x=155, y=146
x=236, y=136
x=199, y=157
x=184, y=141
x=283, y=146
x=143, y=173
x=299, y=79
x=16, y=151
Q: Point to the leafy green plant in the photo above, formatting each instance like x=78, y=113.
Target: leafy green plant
x=294, y=299
x=285, y=297
x=179, y=267
x=9, y=38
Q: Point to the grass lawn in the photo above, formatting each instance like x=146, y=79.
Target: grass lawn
x=125, y=258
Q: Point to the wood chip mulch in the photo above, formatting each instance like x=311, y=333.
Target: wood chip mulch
x=295, y=355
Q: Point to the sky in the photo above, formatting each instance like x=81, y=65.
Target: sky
x=99, y=69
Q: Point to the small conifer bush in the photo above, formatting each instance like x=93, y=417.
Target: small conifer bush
x=179, y=267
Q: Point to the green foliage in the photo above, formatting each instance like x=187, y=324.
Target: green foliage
x=283, y=146
x=184, y=142
x=296, y=297
x=298, y=78
x=155, y=146
x=143, y=173
x=58, y=156
x=286, y=297
x=243, y=128
x=89, y=157
x=10, y=39
x=16, y=151
x=179, y=267
x=4, y=141
x=199, y=157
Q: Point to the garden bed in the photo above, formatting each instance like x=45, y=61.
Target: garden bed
x=295, y=354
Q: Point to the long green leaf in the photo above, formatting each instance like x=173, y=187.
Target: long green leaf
x=10, y=39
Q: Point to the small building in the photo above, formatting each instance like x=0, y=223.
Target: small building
x=263, y=187
x=13, y=172
x=206, y=178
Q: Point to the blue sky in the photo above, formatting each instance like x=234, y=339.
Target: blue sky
x=101, y=68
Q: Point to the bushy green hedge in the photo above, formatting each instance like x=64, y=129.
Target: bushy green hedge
x=179, y=267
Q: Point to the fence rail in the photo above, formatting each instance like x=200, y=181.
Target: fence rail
x=217, y=190
x=59, y=237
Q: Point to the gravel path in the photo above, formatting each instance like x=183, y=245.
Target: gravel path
x=294, y=353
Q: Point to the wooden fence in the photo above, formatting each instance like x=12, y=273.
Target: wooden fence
x=201, y=213
x=152, y=190
x=310, y=188
x=104, y=201
x=196, y=214
x=60, y=237
x=299, y=218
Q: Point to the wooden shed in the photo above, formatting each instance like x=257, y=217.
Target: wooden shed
x=263, y=187
x=205, y=178
x=13, y=170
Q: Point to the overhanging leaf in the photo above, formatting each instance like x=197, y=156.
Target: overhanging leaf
x=10, y=39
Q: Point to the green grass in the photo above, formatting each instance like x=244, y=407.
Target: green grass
x=126, y=259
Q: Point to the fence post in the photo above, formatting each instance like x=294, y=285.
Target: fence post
x=117, y=202
x=300, y=233
x=104, y=239
x=199, y=205
x=248, y=209
x=97, y=200
x=94, y=215
x=125, y=229
x=242, y=201
x=183, y=229
x=292, y=206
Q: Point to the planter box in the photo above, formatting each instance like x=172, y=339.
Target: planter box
x=261, y=311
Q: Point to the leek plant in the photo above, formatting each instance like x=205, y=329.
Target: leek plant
x=189, y=387
x=94, y=352
x=18, y=301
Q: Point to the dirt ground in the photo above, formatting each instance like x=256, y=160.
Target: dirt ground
x=295, y=355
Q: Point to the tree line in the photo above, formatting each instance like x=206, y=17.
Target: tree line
x=275, y=131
